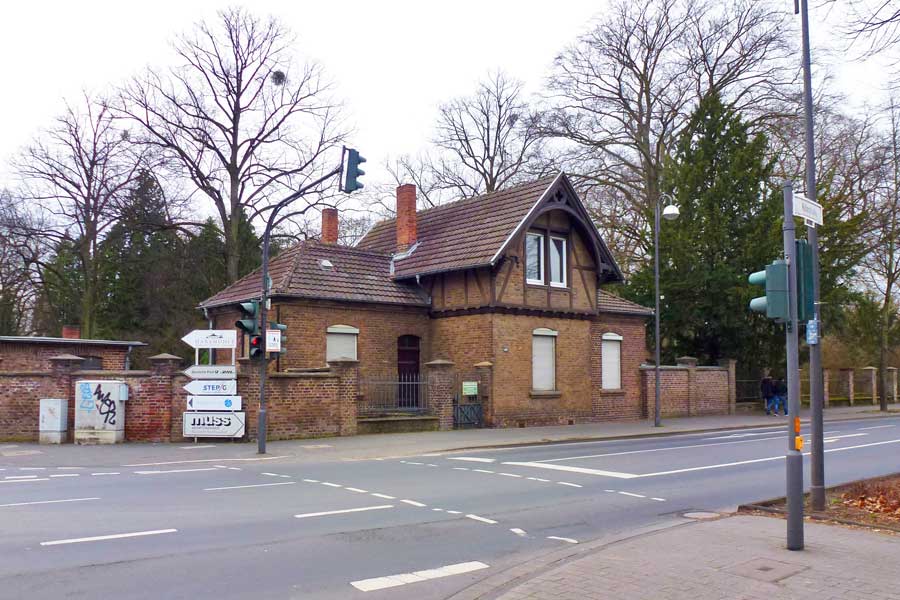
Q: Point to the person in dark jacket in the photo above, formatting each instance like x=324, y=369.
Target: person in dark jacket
x=767, y=390
x=781, y=396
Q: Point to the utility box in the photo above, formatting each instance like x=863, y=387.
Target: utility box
x=54, y=421
x=100, y=411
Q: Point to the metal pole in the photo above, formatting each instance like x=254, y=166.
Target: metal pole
x=656, y=408
x=816, y=383
x=794, y=458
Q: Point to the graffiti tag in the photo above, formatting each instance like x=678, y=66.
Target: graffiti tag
x=105, y=406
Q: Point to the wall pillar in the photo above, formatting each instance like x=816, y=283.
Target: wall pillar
x=163, y=369
x=690, y=363
x=873, y=382
x=892, y=383
x=63, y=385
x=485, y=372
x=441, y=384
x=347, y=371
x=848, y=374
x=731, y=365
x=248, y=388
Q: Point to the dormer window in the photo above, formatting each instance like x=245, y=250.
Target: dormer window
x=539, y=271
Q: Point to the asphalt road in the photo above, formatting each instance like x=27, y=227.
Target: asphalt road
x=203, y=525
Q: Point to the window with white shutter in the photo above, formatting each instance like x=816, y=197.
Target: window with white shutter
x=543, y=359
x=340, y=342
x=611, y=358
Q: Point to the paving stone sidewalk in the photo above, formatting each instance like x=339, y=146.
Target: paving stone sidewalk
x=735, y=558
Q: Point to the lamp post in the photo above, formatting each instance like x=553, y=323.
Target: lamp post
x=669, y=213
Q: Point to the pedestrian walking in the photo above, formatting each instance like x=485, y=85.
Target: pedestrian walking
x=781, y=396
x=767, y=390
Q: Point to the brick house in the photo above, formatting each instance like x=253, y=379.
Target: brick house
x=31, y=353
x=507, y=286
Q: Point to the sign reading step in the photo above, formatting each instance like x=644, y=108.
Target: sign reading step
x=214, y=403
x=211, y=372
x=210, y=424
x=211, y=338
x=212, y=387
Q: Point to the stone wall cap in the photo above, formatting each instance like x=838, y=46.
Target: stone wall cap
x=65, y=357
x=343, y=360
x=440, y=362
x=485, y=363
x=165, y=356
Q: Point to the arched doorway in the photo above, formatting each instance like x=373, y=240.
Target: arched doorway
x=408, y=371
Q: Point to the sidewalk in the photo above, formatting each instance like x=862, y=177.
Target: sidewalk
x=741, y=557
x=366, y=447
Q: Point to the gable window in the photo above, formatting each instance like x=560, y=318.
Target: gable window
x=611, y=358
x=543, y=359
x=340, y=342
x=557, y=261
x=534, y=258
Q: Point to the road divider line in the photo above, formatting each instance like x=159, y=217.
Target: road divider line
x=196, y=447
x=562, y=539
x=334, y=485
x=311, y=480
x=454, y=512
x=632, y=495
x=667, y=449
x=66, y=475
x=539, y=479
x=484, y=471
x=21, y=477
x=342, y=512
x=242, y=487
x=384, y=496
x=510, y=475
x=199, y=460
x=659, y=499
x=719, y=466
x=105, y=473
x=876, y=427
x=413, y=503
x=460, y=468
x=389, y=581
x=357, y=490
x=481, y=519
x=30, y=469
x=23, y=480
x=575, y=485
x=518, y=532
x=582, y=470
x=174, y=471
x=47, y=502
x=69, y=468
x=473, y=459
x=116, y=536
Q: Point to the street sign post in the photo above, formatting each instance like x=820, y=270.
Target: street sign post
x=211, y=372
x=211, y=338
x=213, y=403
x=211, y=387
x=210, y=424
x=808, y=210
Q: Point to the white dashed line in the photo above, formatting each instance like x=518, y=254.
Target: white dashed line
x=562, y=539
x=329, y=484
x=196, y=447
x=271, y=474
x=632, y=495
x=66, y=475
x=483, y=471
x=255, y=485
x=569, y=484
x=341, y=512
x=454, y=512
x=199, y=460
x=473, y=459
x=380, y=583
x=21, y=477
x=481, y=519
x=174, y=471
x=23, y=480
x=47, y=502
x=569, y=469
x=518, y=532
x=30, y=469
x=99, y=538
x=876, y=427
x=311, y=480
x=460, y=468
x=659, y=499
x=438, y=509
x=384, y=496
x=409, y=462
x=357, y=490
x=538, y=479
x=413, y=503
x=105, y=473
x=510, y=475
x=69, y=468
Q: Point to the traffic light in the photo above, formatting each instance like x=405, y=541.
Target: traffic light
x=248, y=321
x=282, y=328
x=775, y=303
x=256, y=346
x=352, y=172
x=806, y=304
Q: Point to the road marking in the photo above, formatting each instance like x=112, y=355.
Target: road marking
x=409, y=462
x=568, y=484
x=430, y=465
x=539, y=479
x=540, y=465
x=199, y=460
x=518, y=532
x=70, y=468
x=385, y=496
x=460, y=468
x=704, y=468
x=659, y=449
x=438, y=509
x=23, y=480
x=413, y=503
x=632, y=495
x=30, y=469
x=66, y=475
x=380, y=583
x=105, y=473
x=838, y=437
x=311, y=480
x=21, y=477
x=876, y=427
x=481, y=519
x=659, y=499
x=859, y=446
x=454, y=512
x=509, y=475
x=196, y=447
x=334, y=485
x=241, y=487
x=341, y=512
x=562, y=539
x=473, y=459
x=174, y=471
x=47, y=502
x=357, y=490
x=99, y=538
x=483, y=471
x=274, y=475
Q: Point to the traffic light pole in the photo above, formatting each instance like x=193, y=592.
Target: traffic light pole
x=816, y=383
x=262, y=421
x=794, y=458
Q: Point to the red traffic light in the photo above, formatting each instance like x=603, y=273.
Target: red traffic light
x=256, y=346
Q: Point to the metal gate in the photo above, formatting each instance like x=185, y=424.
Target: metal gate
x=468, y=408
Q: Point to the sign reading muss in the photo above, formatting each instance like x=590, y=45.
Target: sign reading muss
x=213, y=424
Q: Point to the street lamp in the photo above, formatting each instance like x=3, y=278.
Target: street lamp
x=669, y=213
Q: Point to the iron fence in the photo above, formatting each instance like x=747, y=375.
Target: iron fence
x=403, y=394
x=747, y=390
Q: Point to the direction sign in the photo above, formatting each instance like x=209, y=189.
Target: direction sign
x=214, y=403
x=211, y=338
x=207, y=424
x=808, y=210
x=210, y=387
x=273, y=340
x=211, y=372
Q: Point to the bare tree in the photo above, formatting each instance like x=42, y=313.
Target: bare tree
x=19, y=254
x=77, y=174
x=239, y=118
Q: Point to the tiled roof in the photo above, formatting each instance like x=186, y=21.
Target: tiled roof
x=462, y=234
x=356, y=275
x=610, y=303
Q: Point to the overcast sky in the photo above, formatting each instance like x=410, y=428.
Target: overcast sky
x=393, y=62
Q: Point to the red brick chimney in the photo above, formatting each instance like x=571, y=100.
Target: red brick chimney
x=71, y=332
x=329, y=226
x=406, y=216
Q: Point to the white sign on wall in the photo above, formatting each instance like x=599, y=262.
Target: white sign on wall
x=214, y=403
x=210, y=424
x=211, y=372
x=212, y=387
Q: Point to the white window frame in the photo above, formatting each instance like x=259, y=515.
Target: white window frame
x=606, y=341
x=342, y=330
x=565, y=264
x=543, y=332
x=541, y=261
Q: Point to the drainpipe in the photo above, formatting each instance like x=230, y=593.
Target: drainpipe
x=128, y=358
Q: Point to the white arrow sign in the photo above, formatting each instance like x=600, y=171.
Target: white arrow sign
x=211, y=372
x=214, y=403
x=199, y=424
x=209, y=387
x=211, y=338
x=808, y=209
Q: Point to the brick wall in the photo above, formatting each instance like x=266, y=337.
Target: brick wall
x=19, y=391
x=687, y=390
x=626, y=403
x=31, y=356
